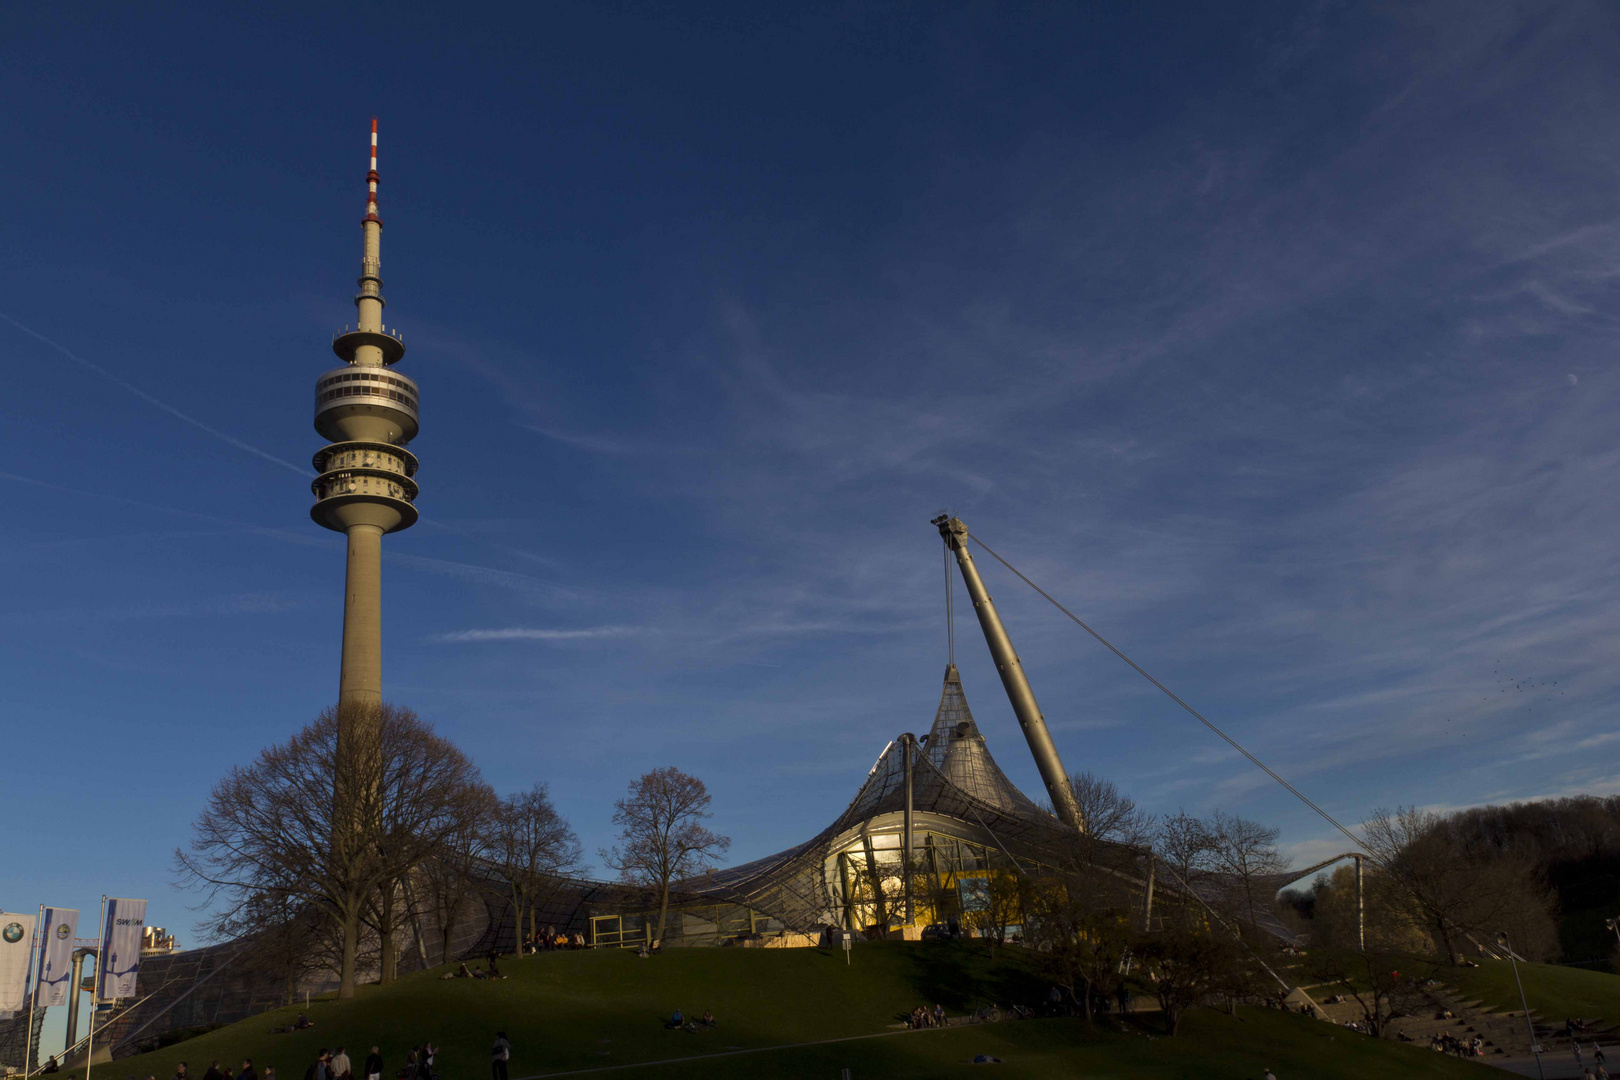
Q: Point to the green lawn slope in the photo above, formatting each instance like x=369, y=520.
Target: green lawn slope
x=1553, y=992
x=592, y=1010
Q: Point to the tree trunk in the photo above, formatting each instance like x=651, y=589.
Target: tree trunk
x=1087, y=1002
x=387, y=962
x=663, y=912
x=519, y=902
x=1445, y=940
x=351, y=945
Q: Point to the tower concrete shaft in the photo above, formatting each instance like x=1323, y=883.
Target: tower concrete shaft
x=1013, y=679
x=365, y=487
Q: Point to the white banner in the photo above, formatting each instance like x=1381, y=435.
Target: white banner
x=16, y=946
x=120, y=949
x=55, y=968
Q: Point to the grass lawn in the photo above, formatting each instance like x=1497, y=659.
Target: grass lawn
x=585, y=1010
x=1553, y=992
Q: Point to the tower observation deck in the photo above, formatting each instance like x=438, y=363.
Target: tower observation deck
x=368, y=413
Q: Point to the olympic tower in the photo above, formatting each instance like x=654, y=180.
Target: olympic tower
x=368, y=413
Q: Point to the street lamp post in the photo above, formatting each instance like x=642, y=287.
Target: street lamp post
x=1535, y=1047
x=1613, y=924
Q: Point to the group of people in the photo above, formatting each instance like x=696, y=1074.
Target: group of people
x=336, y=1065
x=1446, y=1043
x=1596, y=1070
x=464, y=972
x=493, y=971
x=219, y=1072
x=678, y=1022
x=924, y=1017
x=553, y=939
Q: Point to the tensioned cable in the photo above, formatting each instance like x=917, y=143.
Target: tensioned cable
x=950, y=607
x=1233, y=743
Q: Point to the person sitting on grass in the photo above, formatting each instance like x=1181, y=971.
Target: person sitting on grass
x=676, y=1020
x=708, y=1020
x=303, y=1022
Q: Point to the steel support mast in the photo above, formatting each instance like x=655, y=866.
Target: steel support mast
x=1011, y=669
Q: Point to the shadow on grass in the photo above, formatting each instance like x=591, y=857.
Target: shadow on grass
x=961, y=975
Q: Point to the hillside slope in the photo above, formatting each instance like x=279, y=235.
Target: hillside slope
x=589, y=1010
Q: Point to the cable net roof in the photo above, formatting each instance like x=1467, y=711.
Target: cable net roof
x=959, y=754
x=953, y=775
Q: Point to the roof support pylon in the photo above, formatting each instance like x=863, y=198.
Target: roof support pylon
x=1013, y=679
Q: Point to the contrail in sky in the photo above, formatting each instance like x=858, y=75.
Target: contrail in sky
x=281, y=534
x=150, y=400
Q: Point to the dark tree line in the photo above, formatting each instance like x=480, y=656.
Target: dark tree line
x=1445, y=884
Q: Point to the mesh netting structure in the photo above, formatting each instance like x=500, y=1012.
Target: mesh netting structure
x=958, y=793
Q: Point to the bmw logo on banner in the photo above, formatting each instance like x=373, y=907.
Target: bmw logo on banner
x=16, y=949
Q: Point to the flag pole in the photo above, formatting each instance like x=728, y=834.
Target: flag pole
x=28, y=1036
x=95, y=995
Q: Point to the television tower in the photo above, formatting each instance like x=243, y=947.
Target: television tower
x=368, y=413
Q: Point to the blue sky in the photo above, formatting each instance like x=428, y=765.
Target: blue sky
x=1275, y=340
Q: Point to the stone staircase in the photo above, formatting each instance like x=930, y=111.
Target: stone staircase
x=1506, y=1037
x=1504, y=1033
x=1516, y=1039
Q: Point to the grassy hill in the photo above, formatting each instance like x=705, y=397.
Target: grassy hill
x=591, y=1010
x=1553, y=992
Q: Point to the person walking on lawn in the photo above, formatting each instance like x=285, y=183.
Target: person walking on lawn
x=499, y=1055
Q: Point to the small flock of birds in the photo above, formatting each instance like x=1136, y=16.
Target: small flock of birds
x=1504, y=684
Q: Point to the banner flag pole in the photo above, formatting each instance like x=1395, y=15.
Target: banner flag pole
x=95, y=995
x=28, y=1036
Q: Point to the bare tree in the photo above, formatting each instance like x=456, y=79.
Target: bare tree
x=1247, y=851
x=1110, y=814
x=448, y=877
x=534, y=845
x=278, y=819
x=1183, y=843
x=662, y=837
x=1082, y=925
x=1383, y=983
x=281, y=933
x=1000, y=906
x=1188, y=964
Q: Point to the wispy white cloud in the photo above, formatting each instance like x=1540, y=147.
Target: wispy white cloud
x=611, y=445
x=510, y=581
x=264, y=603
x=530, y=633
